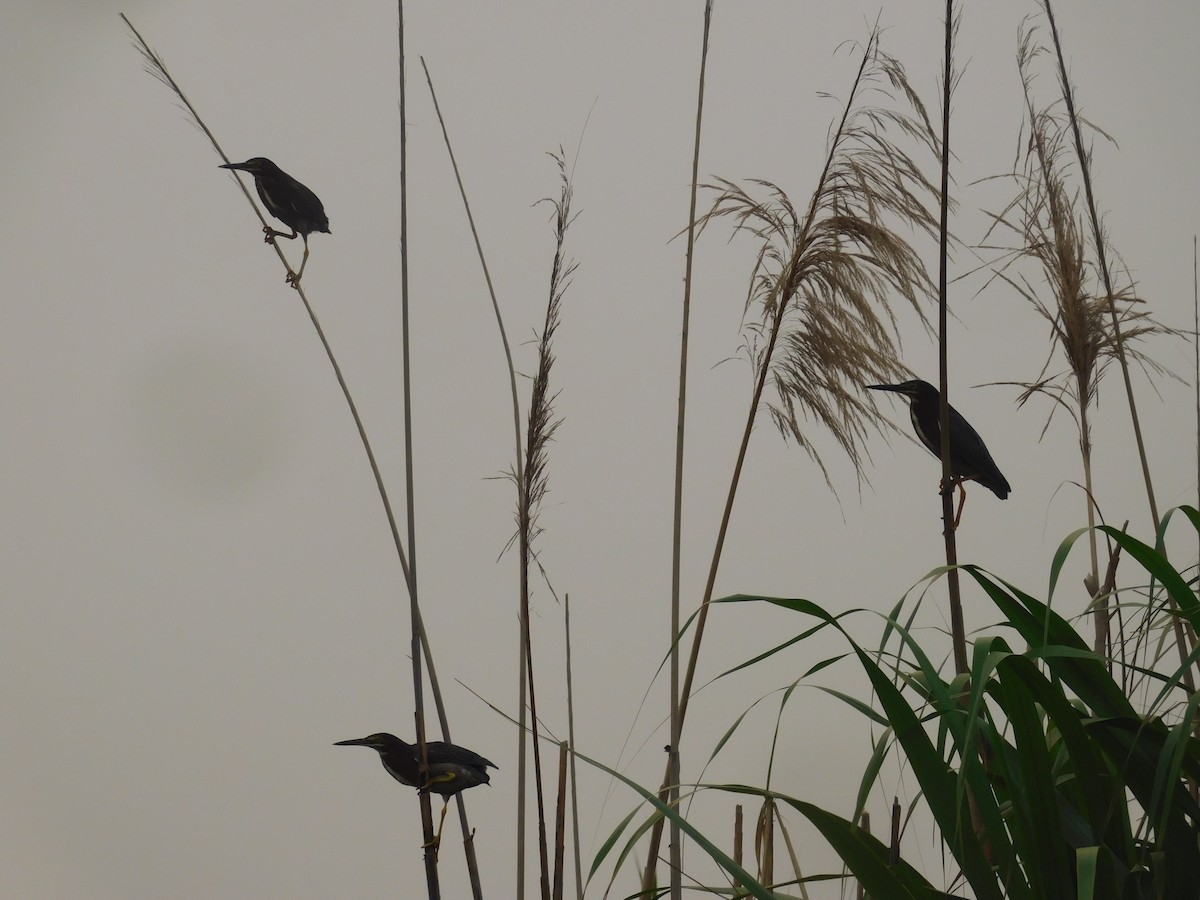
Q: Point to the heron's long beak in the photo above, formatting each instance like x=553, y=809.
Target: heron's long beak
x=894, y=388
x=357, y=742
x=242, y=167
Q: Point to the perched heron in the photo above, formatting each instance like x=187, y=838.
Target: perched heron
x=452, y=769
x=969, y=457
x=287, y=200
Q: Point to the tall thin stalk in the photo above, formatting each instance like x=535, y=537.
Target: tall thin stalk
x=821, y=287
x=958, y=634
x=571, y=743
x=673, y=762
x=431, y=870
x=560, y=824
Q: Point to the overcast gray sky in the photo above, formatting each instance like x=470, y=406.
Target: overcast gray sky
x=199, y=590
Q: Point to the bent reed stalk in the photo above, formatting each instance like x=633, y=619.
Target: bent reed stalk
x=516, y=407
x=155, y=66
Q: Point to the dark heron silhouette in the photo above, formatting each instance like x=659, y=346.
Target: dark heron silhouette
x=452, y=769
x=969, y=456
x=287, y=200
